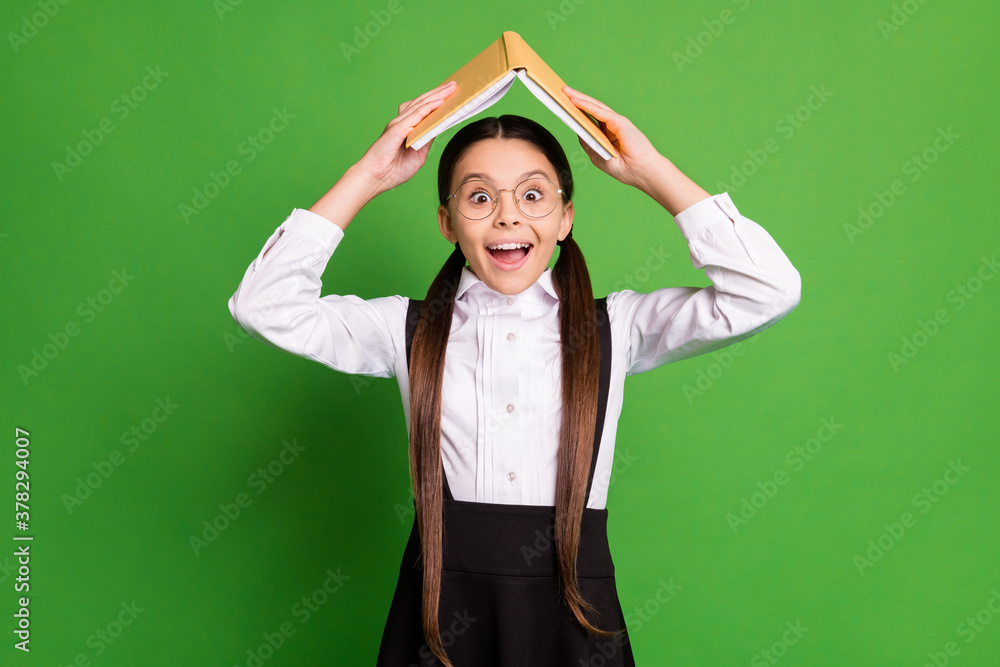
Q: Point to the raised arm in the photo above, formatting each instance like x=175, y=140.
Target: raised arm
x=638, y=164
x=753, y=283
x=278, y=301
x=385, y=165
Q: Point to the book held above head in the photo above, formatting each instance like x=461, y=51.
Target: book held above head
x=486, y=78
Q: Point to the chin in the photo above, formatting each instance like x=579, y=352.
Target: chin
x=511, y=284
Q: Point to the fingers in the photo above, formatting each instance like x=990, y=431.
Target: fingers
x=411, y=113
x=581, y=99
x=602, y=112
x=443, y=90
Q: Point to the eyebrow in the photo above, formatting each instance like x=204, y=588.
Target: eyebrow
x=520, y=178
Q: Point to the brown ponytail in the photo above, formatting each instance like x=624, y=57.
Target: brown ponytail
x=427, y=352
x=581, y=364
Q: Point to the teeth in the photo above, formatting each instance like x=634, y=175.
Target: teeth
x=508, y=246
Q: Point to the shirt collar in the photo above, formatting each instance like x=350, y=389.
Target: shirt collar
x=469, y=280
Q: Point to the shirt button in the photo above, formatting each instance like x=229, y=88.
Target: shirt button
x=512, y=476
x=510, y=301
x=510, y=407
x=510, y=336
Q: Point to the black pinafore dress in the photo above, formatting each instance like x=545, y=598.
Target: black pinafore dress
x=500, y=605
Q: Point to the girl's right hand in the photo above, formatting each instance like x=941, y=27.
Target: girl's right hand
x=389, y=162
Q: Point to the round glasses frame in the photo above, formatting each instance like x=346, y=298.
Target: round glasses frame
x=517, y=202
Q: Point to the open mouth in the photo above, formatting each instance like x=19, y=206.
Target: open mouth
x=509, y=256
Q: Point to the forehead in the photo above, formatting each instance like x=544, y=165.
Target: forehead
x=502, y=161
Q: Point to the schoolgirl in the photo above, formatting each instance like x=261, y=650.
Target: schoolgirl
x=511, y=373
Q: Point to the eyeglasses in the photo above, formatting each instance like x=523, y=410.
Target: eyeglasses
x=534, y=197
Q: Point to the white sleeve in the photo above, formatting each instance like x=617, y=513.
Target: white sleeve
x=278, y=301
x=753, y=286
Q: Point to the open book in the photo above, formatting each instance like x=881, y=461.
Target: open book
x=487, y=77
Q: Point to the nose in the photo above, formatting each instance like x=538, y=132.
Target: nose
x=507, y=208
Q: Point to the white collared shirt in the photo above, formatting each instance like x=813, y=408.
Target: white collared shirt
x=502, y=403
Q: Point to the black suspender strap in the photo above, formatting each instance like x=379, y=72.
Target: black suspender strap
x=604, y=385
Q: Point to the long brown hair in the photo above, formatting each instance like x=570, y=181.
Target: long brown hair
x=580, y=376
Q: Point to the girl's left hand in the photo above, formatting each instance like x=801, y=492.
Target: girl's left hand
x=637, y=159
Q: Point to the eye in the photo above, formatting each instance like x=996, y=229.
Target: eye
x=480, y=197
x=534, y=194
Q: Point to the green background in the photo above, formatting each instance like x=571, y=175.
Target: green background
x=701, y=435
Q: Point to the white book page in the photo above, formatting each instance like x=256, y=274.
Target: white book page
x=547, y=100
x=479, y=103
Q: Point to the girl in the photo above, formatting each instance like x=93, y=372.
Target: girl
x=511, y=373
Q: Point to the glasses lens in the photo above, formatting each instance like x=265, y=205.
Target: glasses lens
x=475, y=199
x=537, y=197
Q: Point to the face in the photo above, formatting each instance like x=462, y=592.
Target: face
x=505, y=163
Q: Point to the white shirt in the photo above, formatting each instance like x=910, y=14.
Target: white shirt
x=502, y=403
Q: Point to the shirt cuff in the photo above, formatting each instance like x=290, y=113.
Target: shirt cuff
x=705, y=213
x=314, y=227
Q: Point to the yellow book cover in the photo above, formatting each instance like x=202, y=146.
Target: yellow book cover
x=486, y=78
